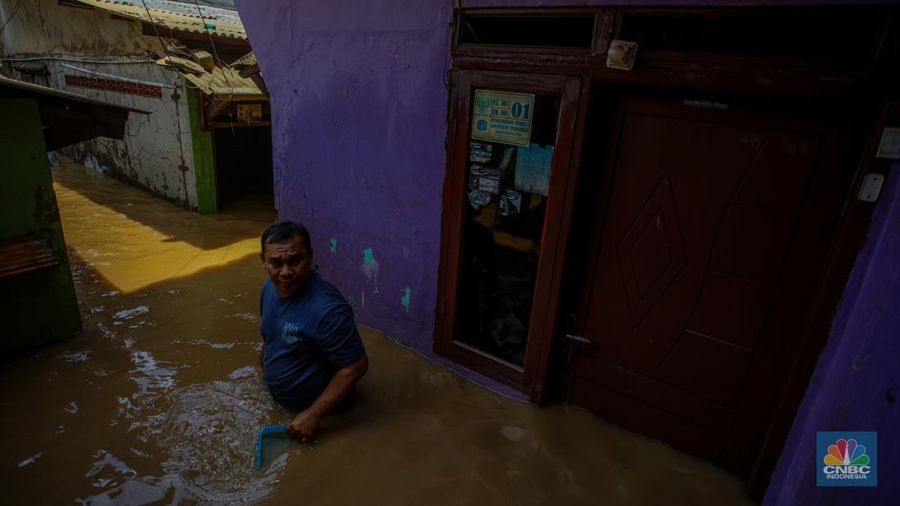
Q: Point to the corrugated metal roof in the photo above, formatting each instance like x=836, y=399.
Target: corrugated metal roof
x=248, y=60
x=246, y=65
x=220, y=82
x=176, y=16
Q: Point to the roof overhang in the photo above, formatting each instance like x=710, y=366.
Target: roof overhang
x=186, y=18
x=69, y=118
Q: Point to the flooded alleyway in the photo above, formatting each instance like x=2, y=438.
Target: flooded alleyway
x=158, y=400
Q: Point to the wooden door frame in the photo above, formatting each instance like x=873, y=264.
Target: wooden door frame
x=848, y=239
x=870, y=85
x=529, y=378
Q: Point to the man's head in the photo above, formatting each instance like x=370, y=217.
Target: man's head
x=286, y=255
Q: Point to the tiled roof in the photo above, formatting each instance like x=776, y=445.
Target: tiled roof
x=180, y=16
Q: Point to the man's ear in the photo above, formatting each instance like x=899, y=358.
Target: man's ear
x=262, y=257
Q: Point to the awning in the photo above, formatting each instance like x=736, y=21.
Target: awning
x=69, y=118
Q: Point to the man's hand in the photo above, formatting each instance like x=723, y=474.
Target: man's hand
x=304, y=425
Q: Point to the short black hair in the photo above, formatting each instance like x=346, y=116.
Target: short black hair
x=284, y=231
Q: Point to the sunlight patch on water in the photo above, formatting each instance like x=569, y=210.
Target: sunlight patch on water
x=127, y=267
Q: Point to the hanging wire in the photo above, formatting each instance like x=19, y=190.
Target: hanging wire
x=213, y=45
x=15, y=11
x=165, y=47
x=76, y=59
x=156, y=30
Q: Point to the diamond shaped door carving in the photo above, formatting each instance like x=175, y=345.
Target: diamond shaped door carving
x=651, y=253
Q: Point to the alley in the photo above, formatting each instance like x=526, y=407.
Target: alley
x=158, y=399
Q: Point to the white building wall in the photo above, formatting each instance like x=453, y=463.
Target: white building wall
x=156, y=153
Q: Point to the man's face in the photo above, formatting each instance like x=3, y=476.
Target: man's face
x=287, y=263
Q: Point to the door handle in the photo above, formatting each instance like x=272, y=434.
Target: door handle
x=578, y=339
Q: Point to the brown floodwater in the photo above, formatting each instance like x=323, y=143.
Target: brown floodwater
x=158, y=401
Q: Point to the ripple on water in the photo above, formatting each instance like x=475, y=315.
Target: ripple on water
x=109, y=470
x=209, y=432
x=76, y=356
x=153, y=379
x=127, y=314
x=31, y=460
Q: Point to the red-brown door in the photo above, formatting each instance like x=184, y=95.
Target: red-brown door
x=709, y=246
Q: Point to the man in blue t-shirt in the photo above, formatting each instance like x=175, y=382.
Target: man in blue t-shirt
x=312, y=355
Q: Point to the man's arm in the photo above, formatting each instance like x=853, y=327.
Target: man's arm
x=305, y=424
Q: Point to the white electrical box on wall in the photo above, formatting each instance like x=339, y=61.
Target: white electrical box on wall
x=889, y=148
x=871, y=187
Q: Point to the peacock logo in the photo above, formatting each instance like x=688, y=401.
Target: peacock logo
x=846, y=452
x=848, y=459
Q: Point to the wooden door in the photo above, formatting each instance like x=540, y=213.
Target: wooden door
x=505, y=223
x=709, y=247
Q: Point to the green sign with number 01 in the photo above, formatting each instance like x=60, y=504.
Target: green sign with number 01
x=502, y=117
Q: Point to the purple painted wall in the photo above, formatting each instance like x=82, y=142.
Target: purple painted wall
x=360, y=119
x=855, y=384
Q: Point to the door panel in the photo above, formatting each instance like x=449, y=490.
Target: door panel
x=708, y=253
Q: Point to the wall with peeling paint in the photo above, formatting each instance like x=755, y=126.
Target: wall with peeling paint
x=42, y=27
x=156, y=153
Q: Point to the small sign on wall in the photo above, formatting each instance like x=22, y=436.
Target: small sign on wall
x=502, y=117
x=248, y=112
x=533, y=169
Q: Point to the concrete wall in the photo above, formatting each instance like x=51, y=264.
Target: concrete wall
x=855, y=384
x=156, y=153
x=42, y=27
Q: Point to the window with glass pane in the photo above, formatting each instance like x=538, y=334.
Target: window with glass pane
x=507, y=188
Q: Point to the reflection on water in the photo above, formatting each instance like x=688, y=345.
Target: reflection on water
x=153, y=416
x=158, y=401
x=208, y=432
